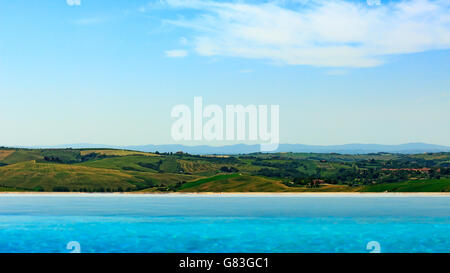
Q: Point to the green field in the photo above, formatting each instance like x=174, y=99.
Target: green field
x=209, y=180
x=429, y=185
x=126, y=163
x=49, y=177
x=247, y=183
x=109, y=170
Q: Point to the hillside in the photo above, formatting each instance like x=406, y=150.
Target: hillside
x=234, y=183
x=427, y=185
x=109, y=170
x=51, y=177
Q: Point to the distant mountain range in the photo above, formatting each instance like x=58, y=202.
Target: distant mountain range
x=408, y=148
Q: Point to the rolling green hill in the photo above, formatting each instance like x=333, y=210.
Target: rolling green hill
x=58, y=177
x=127, y=163
x=21, y=156
x=235, y=183
x=109, y=170
x=247, y=183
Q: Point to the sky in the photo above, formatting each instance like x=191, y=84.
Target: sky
x=109, y=72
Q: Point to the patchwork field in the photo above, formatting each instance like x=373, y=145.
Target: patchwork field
x=5, y=153
x=109, y=170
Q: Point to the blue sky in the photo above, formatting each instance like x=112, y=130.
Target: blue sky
x=109, y=72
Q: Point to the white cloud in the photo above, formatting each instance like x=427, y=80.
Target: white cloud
x=328, y=33
x=73, y=2
x=176, y=53
x=373, y=2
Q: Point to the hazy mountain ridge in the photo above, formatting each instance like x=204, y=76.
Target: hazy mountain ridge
x=407, y=148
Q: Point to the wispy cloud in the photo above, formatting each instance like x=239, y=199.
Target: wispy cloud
x=328, y=33
x=373, y=2
x=73, y=2
x=155, y=5
x=176, y=53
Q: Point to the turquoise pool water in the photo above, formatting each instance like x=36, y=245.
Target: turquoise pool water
x=224, y=223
